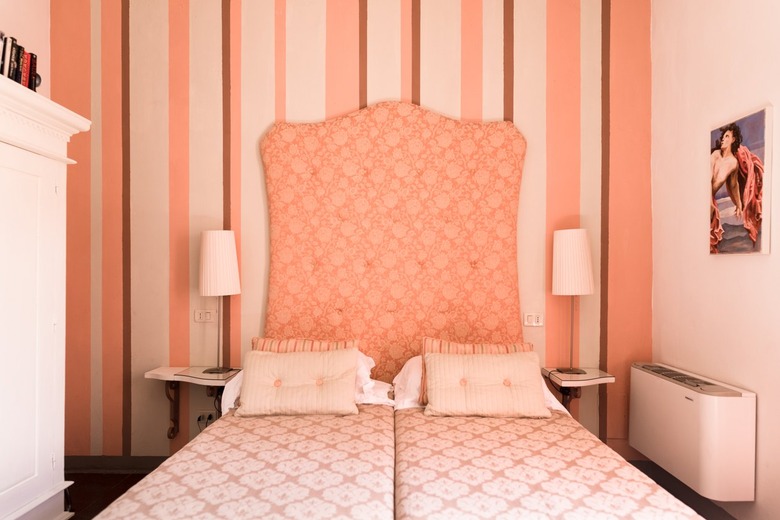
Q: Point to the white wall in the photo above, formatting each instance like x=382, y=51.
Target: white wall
x=30, y=27
x=715, y=61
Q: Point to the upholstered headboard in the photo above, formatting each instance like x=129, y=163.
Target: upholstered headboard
x=390, y=224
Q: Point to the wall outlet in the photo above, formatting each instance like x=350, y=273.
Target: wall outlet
x=205, y=316
x=205, y=418
x=533, y=319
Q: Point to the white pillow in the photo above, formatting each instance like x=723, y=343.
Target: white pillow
x=486, y=385
x=377, y=394
x=407, y=387
x=363, y=382
x=299, y=383
x=231, y=392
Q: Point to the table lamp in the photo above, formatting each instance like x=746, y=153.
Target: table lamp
x=218, y=277
x=572, y=276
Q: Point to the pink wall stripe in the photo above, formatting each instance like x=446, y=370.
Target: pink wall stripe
x=406, y=50
x=509, y=60
x=70, y=86
x=362, y=53
x=629, y=304
x=235, y=170
x=471, y=28
x=342, y=57
x=112, y=267
x=280, y=60
x=563, y=159
x=179, y=191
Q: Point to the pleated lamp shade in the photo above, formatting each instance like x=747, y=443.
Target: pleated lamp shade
x=572, y=269
x=218, y=264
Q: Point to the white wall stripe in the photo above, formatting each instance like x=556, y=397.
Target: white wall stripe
x=148, y=217
x=383, y=50
x=530, y=116
x=590, y=194
x=440, y=56
x=258, y=113
x=305, y=60
x=493, y=60
x=96, y=234
x=206, y=173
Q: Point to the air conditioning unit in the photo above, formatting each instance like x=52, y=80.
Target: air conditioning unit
x=700, y=430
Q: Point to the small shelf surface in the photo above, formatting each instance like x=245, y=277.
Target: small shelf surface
x=196, y=375
x=592, y=376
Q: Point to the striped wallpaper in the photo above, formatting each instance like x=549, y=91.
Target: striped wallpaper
x=180, y=93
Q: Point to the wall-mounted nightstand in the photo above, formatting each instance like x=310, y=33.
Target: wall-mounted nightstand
x=570, y=385
x=172, y=376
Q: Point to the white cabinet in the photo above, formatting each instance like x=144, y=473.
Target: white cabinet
x=34, y=132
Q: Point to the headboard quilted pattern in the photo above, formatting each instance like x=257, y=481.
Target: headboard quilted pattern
x=390, y=224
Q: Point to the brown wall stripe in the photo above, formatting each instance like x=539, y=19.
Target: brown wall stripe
x=606, y=6
x=509, y=59
x=226, y=164
x=416, y=52
x=126, y=242
x=363, y=54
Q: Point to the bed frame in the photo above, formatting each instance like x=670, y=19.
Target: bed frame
x=390, y=224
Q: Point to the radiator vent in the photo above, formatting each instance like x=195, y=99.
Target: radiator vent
x=693, y=382
x=700, y=430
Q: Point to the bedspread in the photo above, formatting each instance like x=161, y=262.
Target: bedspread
x=313, y=466
x=502, y=468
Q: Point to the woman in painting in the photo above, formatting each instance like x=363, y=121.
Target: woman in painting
x=741, y=171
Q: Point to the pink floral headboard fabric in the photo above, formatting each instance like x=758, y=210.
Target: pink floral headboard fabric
x=390, y=224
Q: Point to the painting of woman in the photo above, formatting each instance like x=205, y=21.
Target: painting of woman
x=737, y=181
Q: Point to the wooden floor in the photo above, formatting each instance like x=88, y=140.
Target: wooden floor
x=92, y=492
x=698, y=503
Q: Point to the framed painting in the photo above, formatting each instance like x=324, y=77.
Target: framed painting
x=739, y=182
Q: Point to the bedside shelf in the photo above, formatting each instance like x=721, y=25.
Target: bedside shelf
x=173, y=376
x=570, y=385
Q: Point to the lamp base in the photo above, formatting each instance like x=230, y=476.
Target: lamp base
x=217, y=370
x=570, y=370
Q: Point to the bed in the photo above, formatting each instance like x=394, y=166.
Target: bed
x=483, y=467
x=284, y=462
x=471, y=467
x=311, y=466
x=393, y=229
x=394, y=224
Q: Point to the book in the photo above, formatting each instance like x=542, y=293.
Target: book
x=8, y=45
x=33, y=83
x=13, y=68
x=18, y=64
x=2, y=55
x=24, y=69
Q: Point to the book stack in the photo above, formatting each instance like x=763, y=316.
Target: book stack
x=18, y=64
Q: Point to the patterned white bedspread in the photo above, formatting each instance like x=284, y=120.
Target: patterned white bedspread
x=500, y=468
x=307, y=467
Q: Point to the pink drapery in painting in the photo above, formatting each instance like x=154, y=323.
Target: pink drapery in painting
x=751, y=172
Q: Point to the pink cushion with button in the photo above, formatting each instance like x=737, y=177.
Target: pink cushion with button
x=298, y=383
x=441, y=346
x=492, y=385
